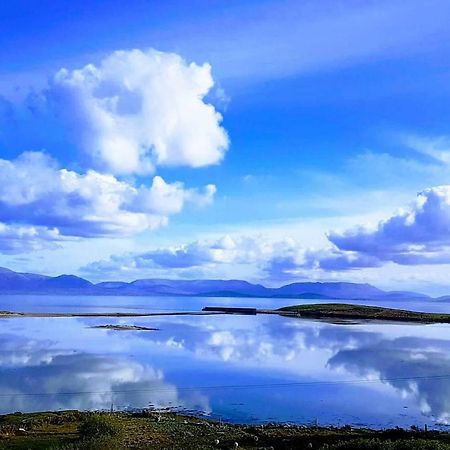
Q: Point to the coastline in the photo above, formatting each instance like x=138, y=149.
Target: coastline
x=161, y=430
x=325, y=311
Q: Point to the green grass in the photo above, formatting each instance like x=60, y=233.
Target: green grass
x=71, y=430
x=348, y=311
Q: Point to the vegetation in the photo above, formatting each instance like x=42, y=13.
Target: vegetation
x=347, y=311
x=72, y=430
x=98, y=424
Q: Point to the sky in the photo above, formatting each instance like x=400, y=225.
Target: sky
x=269, y=141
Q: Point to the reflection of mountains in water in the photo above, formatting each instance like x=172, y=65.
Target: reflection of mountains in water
x=14, y=282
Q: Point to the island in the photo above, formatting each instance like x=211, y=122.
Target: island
x=341, y=311
x=120, y=327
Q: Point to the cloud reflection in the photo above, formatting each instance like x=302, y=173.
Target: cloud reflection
x=154, y=368
x=38, y=379
x=393, y=361
x=326, y=352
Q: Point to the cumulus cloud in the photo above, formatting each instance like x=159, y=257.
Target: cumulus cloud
x=417, y=235
x=24, y=239
x=224, y=250
x=115, y=121
x=258, y=256
x=37, y=192
x=214, y=255
x=329, y=259
x=139, y=109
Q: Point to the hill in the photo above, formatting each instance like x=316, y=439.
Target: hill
x=28, y=283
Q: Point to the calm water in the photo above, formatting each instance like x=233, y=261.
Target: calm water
x=239, y=368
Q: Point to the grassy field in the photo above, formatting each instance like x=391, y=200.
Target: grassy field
x=72, y=430
x=347, y=311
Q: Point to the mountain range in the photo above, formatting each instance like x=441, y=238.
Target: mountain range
x=28, y=283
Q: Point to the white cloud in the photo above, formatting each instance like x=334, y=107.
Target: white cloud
x=36, y=192
x=414, y=236
x=437, y=148
x=139, y=109
x=200, y=258
x=304, y=262
x=24, y=239
x=417, y=235
x=130, y=113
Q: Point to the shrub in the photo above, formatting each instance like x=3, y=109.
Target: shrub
x=90, y=444
x=99, y=425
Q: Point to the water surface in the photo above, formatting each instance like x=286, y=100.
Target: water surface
x=99, y=303
x=239, y=368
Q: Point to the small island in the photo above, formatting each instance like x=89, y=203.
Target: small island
x=119, y=327
x=340, y=311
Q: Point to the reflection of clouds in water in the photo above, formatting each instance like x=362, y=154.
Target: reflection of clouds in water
x=54, y=373
x=391, y=360
x=202, y=351
x=341, y=352
x=266, y=341
x=20, y=351
x=240, y=339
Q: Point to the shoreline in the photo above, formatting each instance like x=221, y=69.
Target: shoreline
x=325, y=311
x=322, y=311
x=16, y=314
x=161, y=430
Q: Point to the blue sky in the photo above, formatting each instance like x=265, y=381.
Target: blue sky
x=274, y=141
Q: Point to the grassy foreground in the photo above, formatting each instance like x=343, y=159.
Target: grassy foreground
x=70, y=430
x=347, y=311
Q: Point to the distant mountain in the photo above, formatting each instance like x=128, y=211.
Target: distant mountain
x=112, y=284
x=198, y=287
x=67, y=282
x=184, y=287
x=15, y=282
x=331, y=290
x=342, y=290
x=404, y=295
x=27, y=283
x=10, y=280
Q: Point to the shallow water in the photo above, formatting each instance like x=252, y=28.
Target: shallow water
x=238, y=368
x=69, y=303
